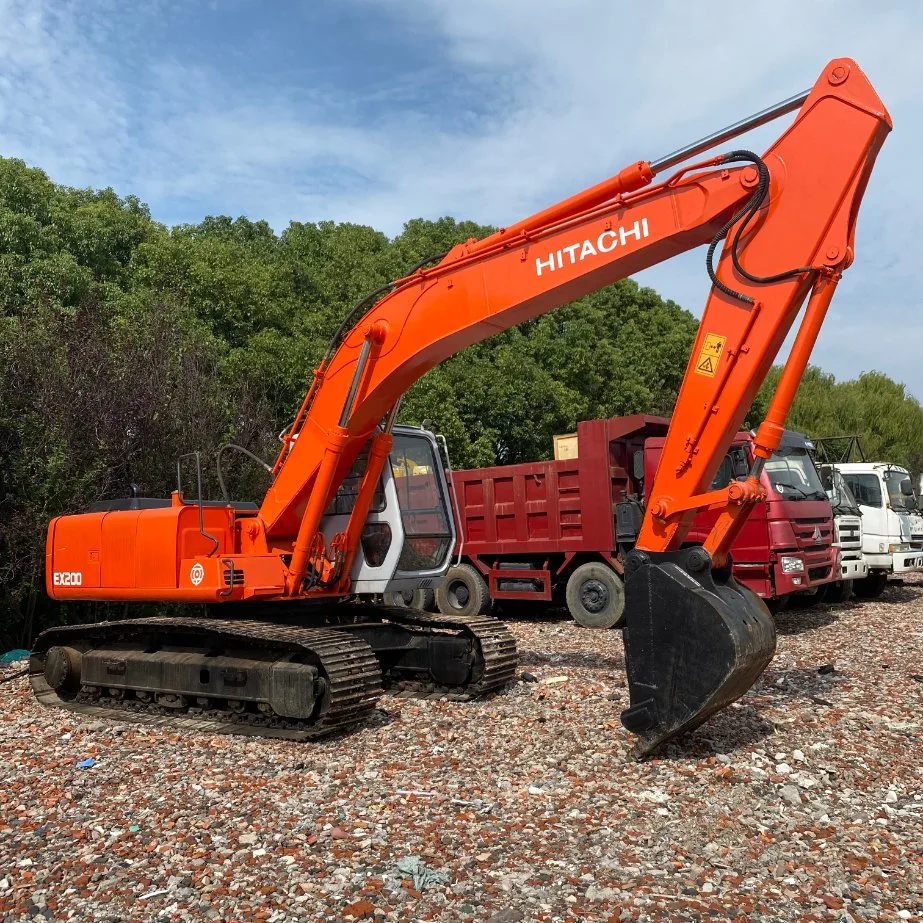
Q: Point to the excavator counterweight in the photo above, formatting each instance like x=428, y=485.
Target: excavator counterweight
x=355, y=504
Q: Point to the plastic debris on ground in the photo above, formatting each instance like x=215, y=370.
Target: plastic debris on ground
x=15, y=655
x=423, y=876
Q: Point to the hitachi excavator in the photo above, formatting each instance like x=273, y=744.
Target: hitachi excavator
x=275, y=646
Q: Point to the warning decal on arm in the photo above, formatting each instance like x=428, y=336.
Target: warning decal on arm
x=707, y=362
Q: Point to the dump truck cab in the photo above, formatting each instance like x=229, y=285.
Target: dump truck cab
x=787, y=543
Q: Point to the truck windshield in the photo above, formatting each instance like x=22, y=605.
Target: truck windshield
x=838, y=491
x=793, y=475
x=866, y=488
x=899, y=501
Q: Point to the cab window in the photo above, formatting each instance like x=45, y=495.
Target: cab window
x=424, y=511
x=734, y=467
x=866, y=488
x=348, y=491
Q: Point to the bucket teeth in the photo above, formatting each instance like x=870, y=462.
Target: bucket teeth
x=695, y=640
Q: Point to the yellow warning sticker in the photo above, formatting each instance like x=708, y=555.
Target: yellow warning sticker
x=707, y=363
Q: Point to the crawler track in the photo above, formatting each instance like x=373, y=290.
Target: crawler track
x=347, y=664
x=496, y=654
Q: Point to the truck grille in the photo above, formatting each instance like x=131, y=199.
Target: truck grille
x=813, y=532
x=848, y=532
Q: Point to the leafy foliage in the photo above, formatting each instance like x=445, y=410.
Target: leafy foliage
x=125, y=344
x=880, y=410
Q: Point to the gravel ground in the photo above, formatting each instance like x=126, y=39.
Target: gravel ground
x=802, y=802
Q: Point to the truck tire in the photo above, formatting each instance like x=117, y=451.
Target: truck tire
x=596, y=596
x=805, y=600
x=838, y=591
x=463, y=592
x=412, y=599
x=776, y=604
x=871, y=587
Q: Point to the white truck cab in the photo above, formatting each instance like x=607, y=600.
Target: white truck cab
x=892, y=528
x=847, y=528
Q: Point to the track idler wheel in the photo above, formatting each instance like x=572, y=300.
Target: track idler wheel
x=695, y=640
x=62, y=668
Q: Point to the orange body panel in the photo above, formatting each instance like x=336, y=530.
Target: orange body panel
x=153, y=554
x=818, y=170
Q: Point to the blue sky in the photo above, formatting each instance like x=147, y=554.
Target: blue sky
x=378, y=111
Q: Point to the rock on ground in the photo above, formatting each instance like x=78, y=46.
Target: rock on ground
x=803, y=801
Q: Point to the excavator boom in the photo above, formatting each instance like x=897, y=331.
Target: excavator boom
x=694, y=639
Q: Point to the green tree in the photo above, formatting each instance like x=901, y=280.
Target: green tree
x=124, y=344
x=887, y=417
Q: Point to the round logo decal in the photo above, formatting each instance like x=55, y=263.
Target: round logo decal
x=197, y=574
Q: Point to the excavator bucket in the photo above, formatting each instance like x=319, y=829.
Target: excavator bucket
x=695, y=640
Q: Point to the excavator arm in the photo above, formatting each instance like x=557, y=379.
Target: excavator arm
x=788, y=218
x=694, y=639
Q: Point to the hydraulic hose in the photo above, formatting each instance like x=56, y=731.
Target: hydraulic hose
x=747, y=212
x=358, y=309
x=239, y=448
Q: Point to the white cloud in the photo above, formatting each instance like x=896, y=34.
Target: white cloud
x=572, y=91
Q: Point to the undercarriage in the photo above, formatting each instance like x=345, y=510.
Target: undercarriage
x=303, y=675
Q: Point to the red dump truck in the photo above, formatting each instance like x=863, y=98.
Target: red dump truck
x=554, y=532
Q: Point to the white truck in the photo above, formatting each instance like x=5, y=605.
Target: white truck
x=892, y=528
x=847, y=530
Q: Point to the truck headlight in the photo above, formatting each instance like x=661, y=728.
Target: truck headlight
x=791, y=565
x=902, y=546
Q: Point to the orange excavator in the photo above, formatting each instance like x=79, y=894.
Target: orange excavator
x=280, y=647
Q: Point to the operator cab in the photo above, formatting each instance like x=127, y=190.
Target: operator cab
x=409, y=534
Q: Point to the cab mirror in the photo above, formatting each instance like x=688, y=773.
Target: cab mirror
x=906, y=487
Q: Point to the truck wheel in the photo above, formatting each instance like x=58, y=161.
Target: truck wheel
x=412, y=599
x=776, y=604
x=464, y=592
x=596, y=596
x=837, y=592
x=805, y=600
x=871, y=587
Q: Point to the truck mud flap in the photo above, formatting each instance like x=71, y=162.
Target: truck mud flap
x=695, y=640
